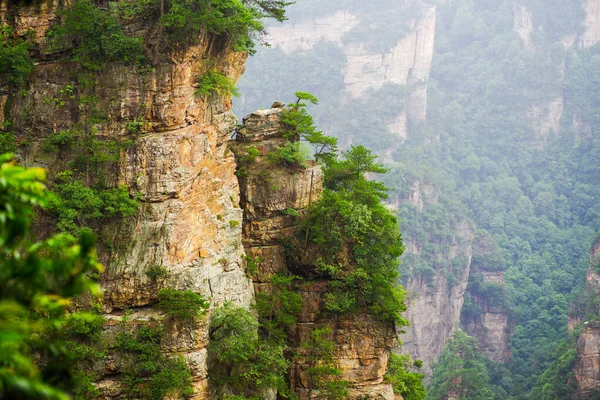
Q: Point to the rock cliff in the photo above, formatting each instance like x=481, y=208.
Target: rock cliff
x=268, y=193
x=435, y=302
x=178, y=166
x=487, y=317
x=587, y=367
x=591, y=34
x=407, y=63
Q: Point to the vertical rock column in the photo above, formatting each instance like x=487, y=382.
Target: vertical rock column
x=270, y=195
x=587, y=368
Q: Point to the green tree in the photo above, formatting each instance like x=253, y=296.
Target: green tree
x=299, y=125
x=406, y=383
x=15, y=62
x=240, y=360
x=356, y=239
x=461, y=370
x=38, y=281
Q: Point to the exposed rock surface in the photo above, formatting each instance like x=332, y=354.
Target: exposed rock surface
x=491, y=326
x=178, y=165
x=406, y=63
x=523, y=23
x=492, y=329
x=304, y=34
x=267, y=191
x=587, y=367
x=591, y=34
x=435, y=303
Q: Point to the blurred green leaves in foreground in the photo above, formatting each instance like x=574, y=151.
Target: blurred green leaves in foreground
x=38, y=282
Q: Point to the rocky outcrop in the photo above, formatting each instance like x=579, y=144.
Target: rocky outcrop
x=487, y=317
x=587, y=367
x=271, y=195
x=523, y=22
x=591, y=34
x=435, y=302
x=304, y=34
x=178, y=165
x=492, y=328
x=408, y=63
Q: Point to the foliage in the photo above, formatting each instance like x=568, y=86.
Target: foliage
x=213, y=82
x=82, y=195
x=94, y=36
x=81, y=335
x=357, y=238
x=278, y=309
x=558, y=380
x=239, y=359
x=461, y=369
x=8, y=142
x=238, y=22
x=156, y=272
x=318, y=351
x=183, y=304
x=38, y=280
x=290, y=154
x=299, y=125
x=406, y=383
x=76, y=205
x=148, y=372
x=15, y=62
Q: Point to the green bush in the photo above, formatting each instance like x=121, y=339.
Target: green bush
x=94, y=36
x=75, y=205
x=183, y=304
x=8, y=142
x=37, y=282
x=82, y=337
x=323, y=377
x=239, y=359
x=357, y=239
x=406, y=383
x=156, y=272
x=148, y=372
x=61, y=140
x=290, y=154
x=213, y=82
x=15, y=62
x=279, y=308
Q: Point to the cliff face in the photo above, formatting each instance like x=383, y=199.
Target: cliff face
x=587, y=367
x=435, y=303
x=269, y=192
x=591, y=34
x=487, y=317
x=407, y=63
x=492, y=328
x=178, y=166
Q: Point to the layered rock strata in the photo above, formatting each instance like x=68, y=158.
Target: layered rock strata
x=587, y=367
x=435, y=303
x=177, y=165
x=268, y=193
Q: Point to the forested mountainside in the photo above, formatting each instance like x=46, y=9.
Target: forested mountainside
x=486, y=115
x=153, y=248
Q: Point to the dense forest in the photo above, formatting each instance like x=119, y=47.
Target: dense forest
x=533, y=191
